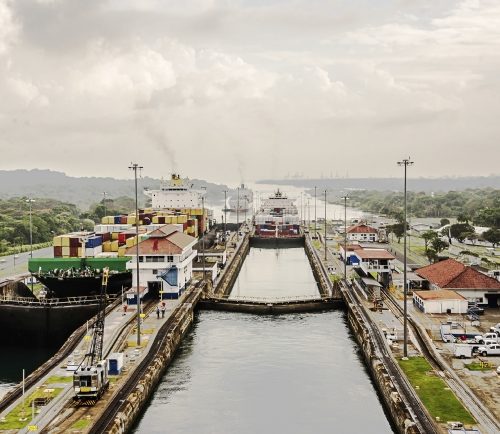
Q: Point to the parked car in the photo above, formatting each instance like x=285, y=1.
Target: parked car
x=489, y=350
x=475, y=310
x=487, y=337
x=464, y=350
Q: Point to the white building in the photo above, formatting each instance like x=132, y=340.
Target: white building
x=440, y=301
x=362, y=233
x=175, y=193
x=165, y=261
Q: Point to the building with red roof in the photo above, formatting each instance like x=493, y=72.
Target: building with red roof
x=165, y=261
x=467, y=281
x=362, y=232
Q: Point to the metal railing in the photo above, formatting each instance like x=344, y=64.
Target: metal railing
x=6, y=299
x=269, y=299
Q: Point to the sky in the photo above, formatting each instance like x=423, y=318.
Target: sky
x=240, y=90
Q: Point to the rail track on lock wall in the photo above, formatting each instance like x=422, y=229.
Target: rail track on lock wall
x=483, y=416
x=114, y=404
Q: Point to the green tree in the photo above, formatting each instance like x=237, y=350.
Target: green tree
x=438, y=245
x=431, y=255
x=458, y=230
x=492, y=236
x=397, y=229
x=428, y=236
x=444, y=222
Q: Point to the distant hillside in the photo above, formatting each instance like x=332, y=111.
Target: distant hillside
x=392, y=184
x=84, y=192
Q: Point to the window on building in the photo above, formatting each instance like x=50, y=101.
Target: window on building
x=141, y=258
x=170, y=259
x=155, y=271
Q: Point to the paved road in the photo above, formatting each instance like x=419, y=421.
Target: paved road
x=18, y=264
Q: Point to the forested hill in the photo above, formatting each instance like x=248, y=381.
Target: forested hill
x=83, y=192
x=392, y=184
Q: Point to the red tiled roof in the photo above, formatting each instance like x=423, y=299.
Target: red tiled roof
x=439, y=294
x=473, y=279
x=155, y=246
x=361, y=229
x=453, y=274
x=373, y=254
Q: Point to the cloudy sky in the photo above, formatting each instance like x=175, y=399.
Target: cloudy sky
x=231, y=90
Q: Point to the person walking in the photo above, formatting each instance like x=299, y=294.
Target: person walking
x=163, y=308
x=158, y=312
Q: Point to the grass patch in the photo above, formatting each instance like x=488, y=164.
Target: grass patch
x=24, y=411
x=81, y=424
x=59, y=379
x=316, y=244
x=432, y=390
x=478, y=366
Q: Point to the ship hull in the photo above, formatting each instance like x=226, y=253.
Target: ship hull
x=85, y=286
x=269, y=241
x=47, y=326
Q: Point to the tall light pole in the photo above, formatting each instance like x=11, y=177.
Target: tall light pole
x=315, y=220
x=225, y=215
x=104, y=203
x=405, y=163
x=30, y=201
x=345, y=238
x=238, y=217
x=203, y=233
x=135, y=167
x=325, y=225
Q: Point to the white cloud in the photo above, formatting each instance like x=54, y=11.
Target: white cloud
x=9, y=27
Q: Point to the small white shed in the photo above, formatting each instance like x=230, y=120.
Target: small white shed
x=440, y=301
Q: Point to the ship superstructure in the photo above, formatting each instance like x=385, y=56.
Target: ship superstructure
x=175, y=193
x=241, y=201
x=278, y=218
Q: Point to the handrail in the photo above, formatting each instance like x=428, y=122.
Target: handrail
x=6, y=299
x=269, y=299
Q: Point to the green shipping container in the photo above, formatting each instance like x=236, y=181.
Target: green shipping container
x=48, y=264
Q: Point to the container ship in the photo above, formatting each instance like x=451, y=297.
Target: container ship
x=277, y=221
x=73, y=276
x=241, y=202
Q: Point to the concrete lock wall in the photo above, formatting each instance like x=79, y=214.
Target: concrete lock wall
x=135, y=401
x=388, y=391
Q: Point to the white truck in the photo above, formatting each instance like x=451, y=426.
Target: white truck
x=490, y=350
x=463, y=351
x=487, y=338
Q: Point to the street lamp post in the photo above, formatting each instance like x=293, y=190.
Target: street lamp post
x=135, y=167
x=30, y=201
x=238, y=217
x=345, y=238
x=325, y=225
x=405, y=163
x=225, y=215
x=104, y=203
x=315, y=220
x=203, y=233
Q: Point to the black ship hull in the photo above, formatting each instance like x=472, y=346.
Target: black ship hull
x=62, y=287
x=40, y=325
x=272, y=242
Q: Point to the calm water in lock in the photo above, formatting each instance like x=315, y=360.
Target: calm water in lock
x=241, y=373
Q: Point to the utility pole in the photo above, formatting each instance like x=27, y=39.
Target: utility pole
x=405, y=163
x=345, y=238
x=30, y=201
x=238, y=217
x=203, y=236
x=225, y=215
x=135, y=167
x=315, y=220
x=325, y=226
x=104, y=203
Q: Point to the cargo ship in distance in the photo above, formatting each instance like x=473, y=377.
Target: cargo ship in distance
x=277, y=222
x=241, y=202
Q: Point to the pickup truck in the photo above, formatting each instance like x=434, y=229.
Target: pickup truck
x=487, y=337
x=489, y=350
